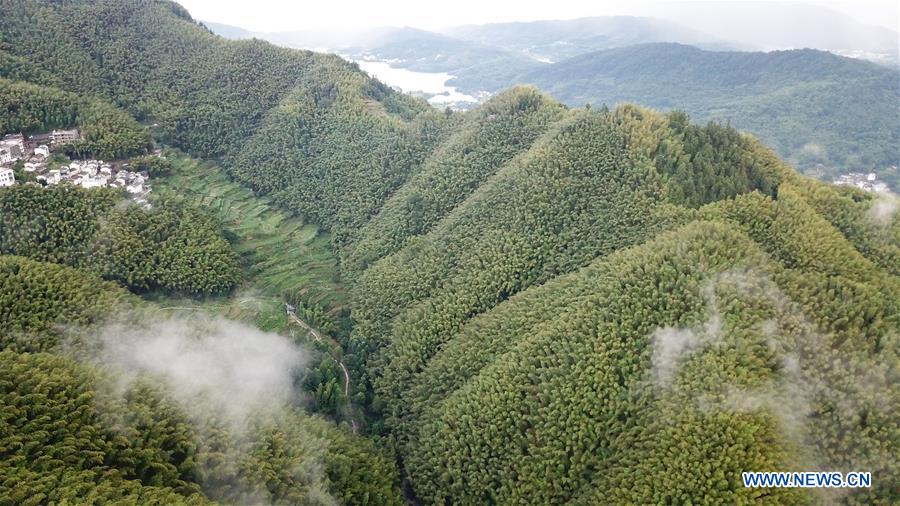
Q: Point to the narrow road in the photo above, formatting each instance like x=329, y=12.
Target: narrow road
x=315, y=333
x=346, y=379
x=292, y=316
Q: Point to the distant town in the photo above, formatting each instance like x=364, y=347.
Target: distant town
x=36, y=155
x=866, y=182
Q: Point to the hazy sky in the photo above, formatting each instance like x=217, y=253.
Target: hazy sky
x=282, y=15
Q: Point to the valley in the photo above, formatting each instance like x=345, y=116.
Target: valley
x=826, y=114
x=342, y=293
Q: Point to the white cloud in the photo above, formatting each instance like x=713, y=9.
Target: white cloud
x=210, y=366
x=282, y=15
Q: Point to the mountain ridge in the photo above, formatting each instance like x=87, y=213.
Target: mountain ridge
x=801, y=102
x=544, y=301
x=782, y=96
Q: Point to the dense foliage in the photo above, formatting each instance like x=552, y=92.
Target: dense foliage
x=325, y=153
x=699, y=164
x=812, y=107
x=69, y=438
x=505, y=127
x=57, y=448
x=36, y=297
x=155, y=166
x=549, y=305
x=107, y=132
x=171, y=248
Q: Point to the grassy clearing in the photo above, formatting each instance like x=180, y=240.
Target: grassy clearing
x=282, y=255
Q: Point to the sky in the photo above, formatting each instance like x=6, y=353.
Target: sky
x=288, y=15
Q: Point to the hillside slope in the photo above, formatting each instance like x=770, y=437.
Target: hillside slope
x=810, y=106
x=549, y=305
x=508, y=373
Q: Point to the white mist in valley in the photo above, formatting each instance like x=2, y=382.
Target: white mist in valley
x=885, y=206
x=211, y=366
x=239, y=388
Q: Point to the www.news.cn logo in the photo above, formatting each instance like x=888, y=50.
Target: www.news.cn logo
x=832, y=479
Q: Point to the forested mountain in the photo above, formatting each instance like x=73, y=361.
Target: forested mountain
x=824, y=113
x=559, y=40
x=549, y=305
x=810, y=106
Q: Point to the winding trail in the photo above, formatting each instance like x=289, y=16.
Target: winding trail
x=292, y=316
x=319, y=337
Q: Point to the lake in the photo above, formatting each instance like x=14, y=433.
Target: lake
x=410, y=81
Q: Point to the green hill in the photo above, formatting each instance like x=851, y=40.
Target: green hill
x=549, y=305
x=810, y=106
x=824, y=113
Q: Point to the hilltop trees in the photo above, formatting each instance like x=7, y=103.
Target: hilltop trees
x=107, y=132
x=69, y=438
x=171, y=248
x=155, y=166
x=501, y=129
x=549, y=306
x=812, y=107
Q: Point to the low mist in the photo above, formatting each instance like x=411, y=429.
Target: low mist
x=211, y=366
x=674, y=345
x=885, y=206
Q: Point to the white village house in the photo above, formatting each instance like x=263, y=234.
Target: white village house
x=14, y=143
x=7, y=178
x=12, y=148
x=93, y=182
x=866, y=182
x=63, y=136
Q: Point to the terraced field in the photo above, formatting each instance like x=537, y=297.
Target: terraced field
x=283, y=256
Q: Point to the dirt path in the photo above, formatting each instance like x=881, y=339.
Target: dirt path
x=292, y=316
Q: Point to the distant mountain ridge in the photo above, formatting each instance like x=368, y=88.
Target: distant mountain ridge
x=814, y=107
x=767, y=26
x=733, y=68
x=556, y=40
x=811, y=106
